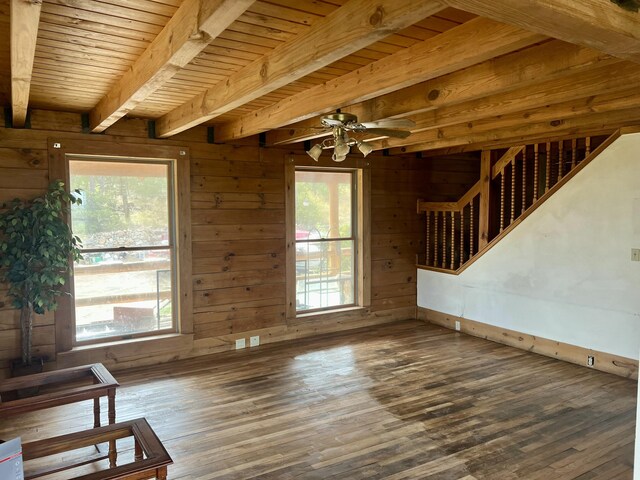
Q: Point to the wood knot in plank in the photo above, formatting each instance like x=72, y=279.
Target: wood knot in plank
x=375, y=20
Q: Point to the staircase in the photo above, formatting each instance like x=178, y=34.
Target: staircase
x=513, y=184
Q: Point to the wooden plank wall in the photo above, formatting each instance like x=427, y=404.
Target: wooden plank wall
x=448, y=178
x=237, y=208
x=397, y=231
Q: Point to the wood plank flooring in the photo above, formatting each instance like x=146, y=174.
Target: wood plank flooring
x=399, y=401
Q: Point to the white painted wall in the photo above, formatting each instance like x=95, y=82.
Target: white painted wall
x=566, y=272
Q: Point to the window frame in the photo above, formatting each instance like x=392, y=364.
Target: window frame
x=353, y=174
x=361, y=221
x=60, y=152
x=171, y=246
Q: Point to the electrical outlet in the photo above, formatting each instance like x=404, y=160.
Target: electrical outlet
x=635, y=254
x=457, y=325
x=591, y=360
x=254, y=341
x=240, y=343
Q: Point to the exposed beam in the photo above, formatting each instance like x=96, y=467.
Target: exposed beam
x=552, y=60
x=599, y=24
x=194, y=25
x=351, y=27
x=580, y=90
x=25, y=17
x=473, y=42
x=505, y=142
x=485, y=133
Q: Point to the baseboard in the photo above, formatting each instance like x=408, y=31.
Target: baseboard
x=606, y=362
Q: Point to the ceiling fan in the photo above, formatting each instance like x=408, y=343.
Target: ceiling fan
x=341, y=123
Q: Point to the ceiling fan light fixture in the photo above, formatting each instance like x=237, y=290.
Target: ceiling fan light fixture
x=342, y=141
x=365, y=148
x=338, y=158
x=342, y=149
x=315, y=151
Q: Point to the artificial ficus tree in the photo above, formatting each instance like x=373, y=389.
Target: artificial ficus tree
x=36, y=250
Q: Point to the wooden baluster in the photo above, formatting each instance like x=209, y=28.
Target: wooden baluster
x=574, y=151
x=587, y=146
x=560, y=160
x=548, y=179
x=502, y=200
x=462, y=236
x=435, y=239
x=471, y=229
x=453, y=239
x=428, y=256
x=444, y=239
x=524, y=179
x=513, y=190
x=536, y=167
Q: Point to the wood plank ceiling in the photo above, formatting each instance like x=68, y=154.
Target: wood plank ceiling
x=545, y=68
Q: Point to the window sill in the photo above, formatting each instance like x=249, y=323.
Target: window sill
x=139, y=340
x=328, y=312
x=335, y=311
x=123, y=351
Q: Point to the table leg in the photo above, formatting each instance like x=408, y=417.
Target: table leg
x=113, y=453
x=137, y=450
x=161, y=473
x=112, y=406
x=96, y=412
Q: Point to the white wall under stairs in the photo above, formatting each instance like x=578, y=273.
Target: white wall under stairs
x=566, y=272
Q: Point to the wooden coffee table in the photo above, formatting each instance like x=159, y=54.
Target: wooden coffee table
x=103, y=384
x=150, y=456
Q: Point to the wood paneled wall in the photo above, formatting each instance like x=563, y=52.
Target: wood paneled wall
x=237, y=210
x=448, y=178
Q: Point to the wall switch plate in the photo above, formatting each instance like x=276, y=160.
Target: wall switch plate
x=240, y=343
x=254, y=341
x=457, y=325
x=635, y=254
x=591, y=360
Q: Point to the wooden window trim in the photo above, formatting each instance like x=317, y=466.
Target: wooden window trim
x=363, y=237
x=58, y=150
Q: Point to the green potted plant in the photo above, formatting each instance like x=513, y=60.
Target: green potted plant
x=36, y=250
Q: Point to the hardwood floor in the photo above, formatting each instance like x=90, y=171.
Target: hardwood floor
x=400, y=401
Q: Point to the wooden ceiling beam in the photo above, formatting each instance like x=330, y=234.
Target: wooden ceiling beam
x=25, y=17
x=355, y=25
x=471, y=43
x=506, y=142
x=194, y=25
x=494, y=130
x=552, y=60
x=599, y=24
x=575, y=88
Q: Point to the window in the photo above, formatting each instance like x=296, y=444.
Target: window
x=125, y=284
x=326, y=239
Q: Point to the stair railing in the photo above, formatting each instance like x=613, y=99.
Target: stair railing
x=520, y=179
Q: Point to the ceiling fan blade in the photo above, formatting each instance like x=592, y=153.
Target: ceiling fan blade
x=385, y=132
x=390, y=123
